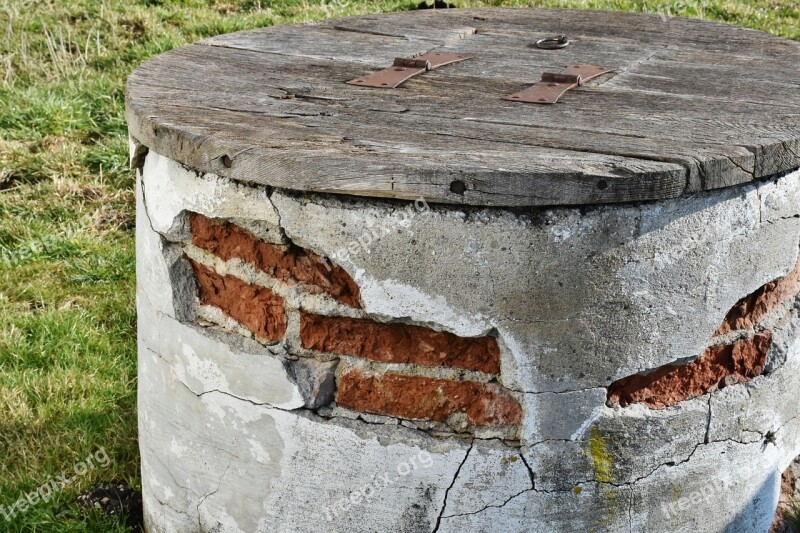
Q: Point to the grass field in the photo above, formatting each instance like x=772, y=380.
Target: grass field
x=67, y=316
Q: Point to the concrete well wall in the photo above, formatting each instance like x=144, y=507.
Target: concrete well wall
x=319, y=363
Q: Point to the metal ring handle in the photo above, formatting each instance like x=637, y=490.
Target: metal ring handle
x=553, y=43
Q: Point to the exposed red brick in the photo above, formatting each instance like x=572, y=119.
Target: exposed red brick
x=257, y=308
x=290, y=264
x=422, y=398
x=757, y=306
x=719, y=366
x=398, y=343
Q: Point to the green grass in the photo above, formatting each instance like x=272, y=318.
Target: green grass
x=67, y=317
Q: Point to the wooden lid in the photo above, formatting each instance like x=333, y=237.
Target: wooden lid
x=694, y=106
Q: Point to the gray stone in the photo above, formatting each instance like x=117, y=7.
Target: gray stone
x=316, y=380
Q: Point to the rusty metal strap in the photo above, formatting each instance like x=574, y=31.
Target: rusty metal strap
x=405, y=68
x=554, y=85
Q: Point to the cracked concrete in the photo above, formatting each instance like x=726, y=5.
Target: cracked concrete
x=280, y=461
x=450, y=487
x=612, y=290
x=238, y=436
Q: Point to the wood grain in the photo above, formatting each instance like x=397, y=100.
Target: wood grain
x=693, y=106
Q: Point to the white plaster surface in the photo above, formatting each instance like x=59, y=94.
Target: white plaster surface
x=171, y=189
x=205, y=363
x=154, y=284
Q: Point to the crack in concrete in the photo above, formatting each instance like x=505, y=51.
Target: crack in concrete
x=257, y=404
x=531, y=476
x=204, y=498
x=759, y=433
x=631, y=484
x=140, y=179
x=531, y=473
x=760, y=205
x=169, y=473
x=165, y=504
x=139, y=154
x=447, y=490
x=491, y=506
x=154, y=493
x=201, y=394
x=779, y=428
x=569, y=391
x=304, y=411
x=670, y=464
x=284, y=237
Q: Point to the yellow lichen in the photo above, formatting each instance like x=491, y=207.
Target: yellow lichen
x=602, y=462
x=609, y=509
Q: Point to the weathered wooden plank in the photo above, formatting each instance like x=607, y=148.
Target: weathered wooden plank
x=717, y=81
x=747, y=60
x=734, y=164
x=672, y=121
x=214, y=72
x=618, y=26
x=654, y=115
x=311, y=42
x=298, y=159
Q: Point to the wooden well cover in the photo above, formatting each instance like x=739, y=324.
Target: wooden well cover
x=693, y=106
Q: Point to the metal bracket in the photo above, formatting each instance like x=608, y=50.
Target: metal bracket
x=405, y=68
x=554, y=85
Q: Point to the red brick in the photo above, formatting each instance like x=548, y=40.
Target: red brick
x=422, y=398
x=398, y=343
x=290, y=264
x=717, y=367
x=257, y=308
x=755, y=307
